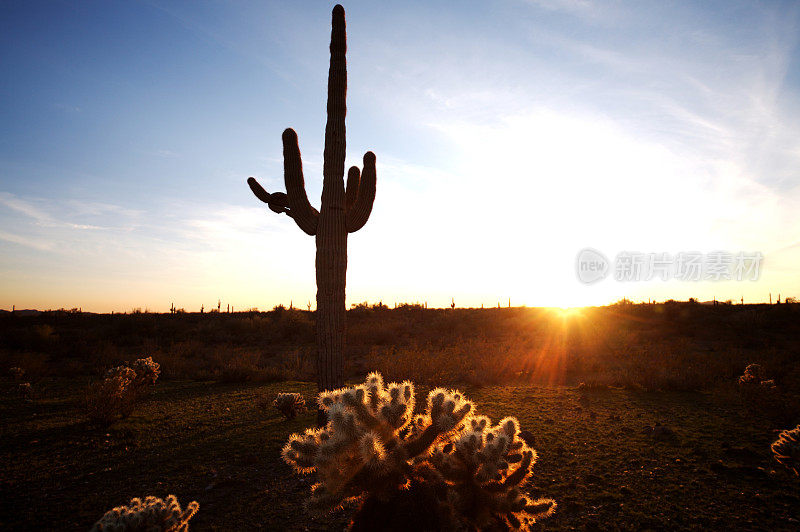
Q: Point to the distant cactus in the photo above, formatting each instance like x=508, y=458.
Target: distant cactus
x=787, y=449
x=458, y=469
x=151, y=515
x=343, y=211
x=290, y=404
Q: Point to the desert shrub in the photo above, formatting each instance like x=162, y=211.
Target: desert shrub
x=786, y=449
x=290, y=404
x=446, y=468
x=151, y=515
x=116, y=395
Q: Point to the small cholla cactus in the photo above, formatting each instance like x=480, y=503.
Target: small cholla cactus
x=115, y=396
x=112, y=398
x=290, y=404
x=787, y=449
x=755, y=388
x=462, y=471
x=753, y=375
x=147, y=371
x=151, y=515
x=17, y=373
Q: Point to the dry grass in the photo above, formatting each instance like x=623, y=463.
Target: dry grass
x=671, y=346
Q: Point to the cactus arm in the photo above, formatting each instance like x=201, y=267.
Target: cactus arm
x=305, y=216
x=333, y=166
x=358, y=214
x=258, y=190
x=277, y=201
x=351, y=192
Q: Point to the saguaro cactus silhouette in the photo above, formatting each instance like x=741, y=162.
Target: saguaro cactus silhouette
x=343, y=211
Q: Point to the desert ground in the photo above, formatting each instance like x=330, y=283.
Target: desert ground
x=634, y=409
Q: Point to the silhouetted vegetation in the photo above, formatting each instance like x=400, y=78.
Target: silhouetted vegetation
x=668, y=346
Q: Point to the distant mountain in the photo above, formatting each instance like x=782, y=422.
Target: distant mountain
x=25, y=312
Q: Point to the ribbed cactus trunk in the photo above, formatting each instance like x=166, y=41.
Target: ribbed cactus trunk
x=343, y=211
x=331, y=260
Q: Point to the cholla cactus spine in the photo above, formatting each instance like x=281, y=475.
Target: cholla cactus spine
x=787, y=449
x=151, y=515
x=372, y=447
x=289, y=404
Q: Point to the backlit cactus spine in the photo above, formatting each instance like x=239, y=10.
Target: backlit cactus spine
x=444, y=469
x=786, y=449
x=343, y=211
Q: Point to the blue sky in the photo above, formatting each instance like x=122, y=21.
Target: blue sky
x=509, y=135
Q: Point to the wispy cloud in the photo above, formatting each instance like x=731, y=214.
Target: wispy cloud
x=40, y=216
x=41, y=245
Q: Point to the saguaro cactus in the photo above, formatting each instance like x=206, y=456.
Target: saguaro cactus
x=343, y=211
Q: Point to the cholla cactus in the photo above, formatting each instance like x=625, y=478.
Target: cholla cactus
x=373, y=449
x=147, y=371
x=787, y=449
x=755, y=389
x=122, y=374
x=290, y=404
x=753, y=375
x=152, y=515
x=111, y=398
x=487, y=465
x=115, y=396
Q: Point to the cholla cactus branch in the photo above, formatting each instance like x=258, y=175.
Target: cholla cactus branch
x=787, y=449
x=372, y=448
x=151, y=515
